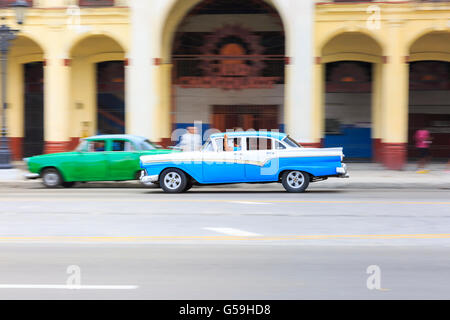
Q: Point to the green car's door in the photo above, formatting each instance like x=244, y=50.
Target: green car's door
x=91, y=163
x=123, y=160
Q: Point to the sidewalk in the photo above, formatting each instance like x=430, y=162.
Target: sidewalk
x=362, y=176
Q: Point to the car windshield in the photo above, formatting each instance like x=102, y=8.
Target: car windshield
x=147, y=145
x=81, y=146
x=208, y=146
x=291, y=143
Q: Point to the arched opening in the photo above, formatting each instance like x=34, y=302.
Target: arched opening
x=25, y=95
x=429, y=93
x=110, y=97
x=228, y=61
x=352, y=63
x=98, y=86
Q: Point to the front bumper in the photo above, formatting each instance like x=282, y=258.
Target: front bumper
x=32, y=176
x=146, y=179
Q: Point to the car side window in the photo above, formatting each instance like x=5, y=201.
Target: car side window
x=96, y=146
x=122, y=145
x=255, y=143
x=219, y=144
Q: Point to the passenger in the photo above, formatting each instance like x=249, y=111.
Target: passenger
x=235, y=147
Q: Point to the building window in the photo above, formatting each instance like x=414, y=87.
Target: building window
x=96, y=3
x=7, y=3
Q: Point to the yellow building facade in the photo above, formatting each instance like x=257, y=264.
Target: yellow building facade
x=74, y=64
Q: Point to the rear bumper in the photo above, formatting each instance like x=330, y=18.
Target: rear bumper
x=342, y=171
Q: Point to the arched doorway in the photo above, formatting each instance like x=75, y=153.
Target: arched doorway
x=26, y=98
x=352, y=70
x=98, y=86
x=110, y=97
x=228, y=66
x=33, y=143
x=429, y=93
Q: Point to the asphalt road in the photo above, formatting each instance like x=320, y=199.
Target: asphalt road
x=223, y=243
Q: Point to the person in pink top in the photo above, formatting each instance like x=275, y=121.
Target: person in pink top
x=423, y=143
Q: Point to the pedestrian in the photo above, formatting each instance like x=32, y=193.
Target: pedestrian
x=423, y=139
x=191, y=140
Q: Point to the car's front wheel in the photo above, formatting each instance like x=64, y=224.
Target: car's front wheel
x=173, y=181
x=51, y=178
x=295, y=181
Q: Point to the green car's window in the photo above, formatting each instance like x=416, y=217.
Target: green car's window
x=95, y=146
x=122, y=145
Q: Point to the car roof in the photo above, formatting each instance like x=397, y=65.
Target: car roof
x=117, y=136
x=270, y=134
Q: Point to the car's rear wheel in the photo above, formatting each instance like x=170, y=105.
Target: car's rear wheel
x=51, y=178
x=295, y=181
x=173, y=180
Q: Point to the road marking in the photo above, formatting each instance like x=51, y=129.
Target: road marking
x=137, y=239
x=67, y=287
x=250, y=202
x=84, y=200
x=234, y=232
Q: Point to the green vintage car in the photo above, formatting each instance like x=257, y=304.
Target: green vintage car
x=97, y=158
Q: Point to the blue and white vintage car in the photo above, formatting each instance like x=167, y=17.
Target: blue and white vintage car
x=244, y=157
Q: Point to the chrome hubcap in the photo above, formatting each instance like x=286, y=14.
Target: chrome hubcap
x=51, y=179
x=172, y=180
x=295, y=179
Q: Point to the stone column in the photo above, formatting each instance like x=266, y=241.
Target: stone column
x=318, y=123
x=56, y=103
x=165, y=104
x=395, y=99
x=376, y=112
x=142, y=94
x=15, y=109
x=299, y=115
